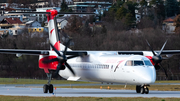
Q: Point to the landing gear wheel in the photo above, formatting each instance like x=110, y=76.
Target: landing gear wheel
x=142, y=90
x=138, y=88
x=51, y=88
x=45, y=88
x=146, y=90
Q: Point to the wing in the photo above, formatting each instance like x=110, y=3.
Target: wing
x=164, y=52
x=39, y=52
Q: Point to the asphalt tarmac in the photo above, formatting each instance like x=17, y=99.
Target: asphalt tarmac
x=31, y=90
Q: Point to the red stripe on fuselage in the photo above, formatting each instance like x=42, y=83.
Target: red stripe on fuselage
x=118, y=65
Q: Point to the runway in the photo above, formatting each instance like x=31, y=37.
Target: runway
x=74, y=92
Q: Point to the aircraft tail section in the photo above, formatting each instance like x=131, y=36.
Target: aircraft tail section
x=53, y=31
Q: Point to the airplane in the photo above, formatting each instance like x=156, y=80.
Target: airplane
x=128, y=67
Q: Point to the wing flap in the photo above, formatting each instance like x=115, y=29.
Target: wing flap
x=73, y=78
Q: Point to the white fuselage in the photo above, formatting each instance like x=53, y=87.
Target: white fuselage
x=111, y=68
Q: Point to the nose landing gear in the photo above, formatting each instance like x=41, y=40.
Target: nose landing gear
x=142, y=89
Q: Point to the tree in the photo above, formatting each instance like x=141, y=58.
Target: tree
x=129, y=20
x=64, y=7
x=109, y=15
x=104, y=29
x=85, y=29
x=159, y=9
x=74, y=24
x=121, y=12
x=171, y=7
x=177, y=21
x=119, y=3
x=143, y=3
x=131, y=7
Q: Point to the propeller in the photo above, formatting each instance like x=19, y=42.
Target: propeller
x=62, y=59
x=157, y=58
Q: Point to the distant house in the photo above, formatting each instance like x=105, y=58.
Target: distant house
x=36, y=29
x=95, y=25
x=13, y=24
x=2, y=17
x=42, y=17
x=61, y=22
x=169, y=25
x=11, y=21
x=33, y=24
x=5, y=31
x=90, y=6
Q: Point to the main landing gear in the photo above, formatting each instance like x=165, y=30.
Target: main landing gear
x=142, y=89
x=48, y=87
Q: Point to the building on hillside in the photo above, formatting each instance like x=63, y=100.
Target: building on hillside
x=41, y=17
x=11, y=21
x=33, y=24
x=5, y=31
x=169, y=25
x=90, y=6
x=13, y=24
x=2, y=17
x=37, y=29
x=61, y=22
x=96, y=25
x=2, y=8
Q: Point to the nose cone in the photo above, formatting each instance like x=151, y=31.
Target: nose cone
x=147, y=75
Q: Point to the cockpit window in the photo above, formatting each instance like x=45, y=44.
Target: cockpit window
x=138, y=63
x=148, y=63
x=129, y=63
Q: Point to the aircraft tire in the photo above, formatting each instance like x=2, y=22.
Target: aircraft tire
x=51, y=88
x=138, y=88
x=142, y=90
x=146, y=90
x=45, y=88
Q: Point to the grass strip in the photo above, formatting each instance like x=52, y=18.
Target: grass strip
x=37, y=81
x=23, y=98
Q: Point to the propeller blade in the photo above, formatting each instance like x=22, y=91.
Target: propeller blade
x=57, y=70
x=56, y=28
x=69, y=67
x=151, y=48
x=67, y=44
x=51, y=60
x=55, y=50
x=162, y=48
x=72, y=56
x=164, y=71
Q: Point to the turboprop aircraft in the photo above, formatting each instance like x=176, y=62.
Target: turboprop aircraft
x=129, y=67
